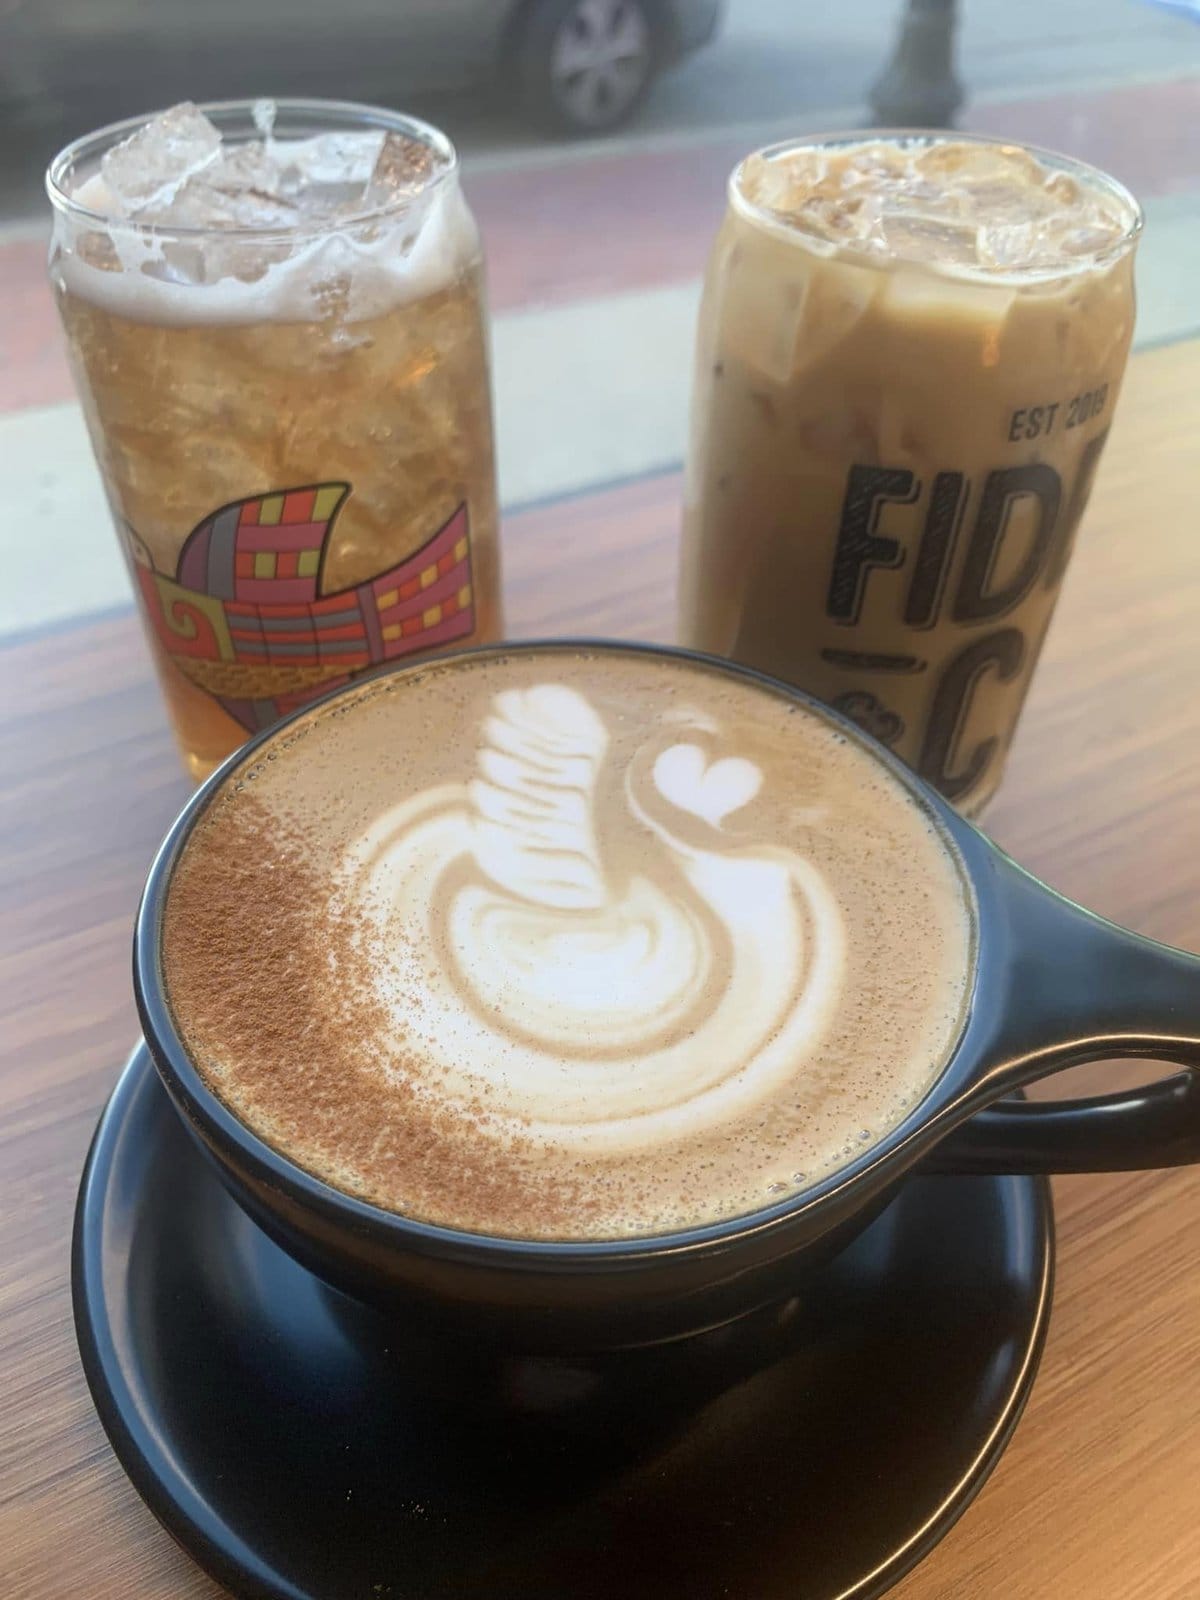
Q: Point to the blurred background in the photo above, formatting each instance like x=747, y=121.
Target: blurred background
x=597, y=136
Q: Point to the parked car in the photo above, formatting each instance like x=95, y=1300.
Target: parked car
x=573, y=66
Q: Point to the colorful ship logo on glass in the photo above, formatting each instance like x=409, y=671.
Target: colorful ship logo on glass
x=245, y=616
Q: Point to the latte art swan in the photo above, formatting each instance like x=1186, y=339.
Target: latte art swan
x=557, y=942
x=605, y=1008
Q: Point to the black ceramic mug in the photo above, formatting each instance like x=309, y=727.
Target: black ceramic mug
x=1052, y=986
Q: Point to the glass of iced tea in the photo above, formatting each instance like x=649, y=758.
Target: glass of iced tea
x=909, y=353
x=275, y=316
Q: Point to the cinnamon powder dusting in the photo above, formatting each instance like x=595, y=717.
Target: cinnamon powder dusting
x=253, y=958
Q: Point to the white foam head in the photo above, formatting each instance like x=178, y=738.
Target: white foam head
x=172, y=225
x=573, y=944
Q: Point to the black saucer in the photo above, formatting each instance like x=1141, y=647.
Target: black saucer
x=298, y=1446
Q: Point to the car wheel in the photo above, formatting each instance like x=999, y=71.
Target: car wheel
x=585, y=65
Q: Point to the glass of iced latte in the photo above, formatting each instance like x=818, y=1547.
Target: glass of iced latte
x=909, y=352
x=275, y=316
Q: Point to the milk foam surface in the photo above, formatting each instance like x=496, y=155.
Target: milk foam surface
x=572, y=946
x=177, y=227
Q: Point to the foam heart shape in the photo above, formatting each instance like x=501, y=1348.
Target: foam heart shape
x=683, y=776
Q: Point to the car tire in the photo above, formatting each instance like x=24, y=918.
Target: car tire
x=585, y=66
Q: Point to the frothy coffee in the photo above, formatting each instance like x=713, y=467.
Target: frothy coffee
x=564, y=944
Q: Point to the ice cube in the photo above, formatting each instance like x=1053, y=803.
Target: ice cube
x=877, y=162
x=200, y=204
x=240, y=188
x=1009, y=245
x=942, y=161
x=152, y=164
x=782, y=322
x=840, y=295
x=330, y=169
x=851, y=219
x=780, y=185
x=954, y=163
x=1062, y=189
x=325, y=177
x=402, y=169
x=985, y=184
x=243, y=169
x=1005, y=202
x=958, y=307
x=762, y=306
x=914, y=193
x=915, y=237
x=1088, y=239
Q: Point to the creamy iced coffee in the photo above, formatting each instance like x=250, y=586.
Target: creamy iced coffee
x=909, y=353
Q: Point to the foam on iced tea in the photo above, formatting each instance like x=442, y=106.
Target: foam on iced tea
x=908, y=357
x=272, y=227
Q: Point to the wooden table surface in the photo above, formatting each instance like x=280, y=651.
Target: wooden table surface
x=1096, y=1499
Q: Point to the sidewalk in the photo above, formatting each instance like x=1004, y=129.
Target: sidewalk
x=593, y=323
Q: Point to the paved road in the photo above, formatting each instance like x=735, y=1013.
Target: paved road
x=777, y=63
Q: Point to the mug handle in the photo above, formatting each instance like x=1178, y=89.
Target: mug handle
x=1078, y=988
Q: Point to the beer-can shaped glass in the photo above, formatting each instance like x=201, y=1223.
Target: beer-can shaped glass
x=909, y=353
x=275, y=316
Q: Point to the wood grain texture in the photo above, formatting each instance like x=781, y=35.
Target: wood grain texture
x=1096, y=1497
